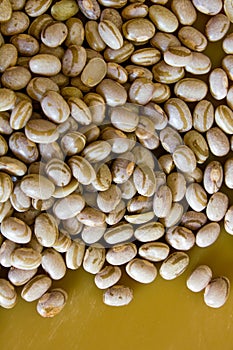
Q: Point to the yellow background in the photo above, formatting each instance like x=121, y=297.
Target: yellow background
x=164, y=315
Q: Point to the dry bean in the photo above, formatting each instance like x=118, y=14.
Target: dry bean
x=200, y=64
x=107, y=277
x=144, y=180
x=53, y=263
x=175, y=264
x=16, y=230
x=217, y=292
x=8, y=295
x=217, y=206
x=184, y=11
x=41, y=131
x=192, y=38
x=179, y=114
x=193, y=220
x=69, y=206
x=46, y=229
x=36, y=287
x=141, y=270
x=25, y=258
x=51, y=303
x=180, y=238
x=218, y=83
x=154, y=251
x=82, y=170
x=75, y=254
x=91, y=217
x=208, y=8
x=163, y=18
x=207, y=234
x=93, y=260
x=37, y=186
x=6, y=249
x=218, y=142
x=213, y=177
x=217, y=27
x=199, y=278
x=203, y=116
x=19, y=277
x=166, y=74
x=174, y=216
x=177, y=184
x=184, y=158
x=121, y=253
x=118, y=295
x=227, y=44
x=191, y=89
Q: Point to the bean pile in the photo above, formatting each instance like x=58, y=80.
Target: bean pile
x=116, y=139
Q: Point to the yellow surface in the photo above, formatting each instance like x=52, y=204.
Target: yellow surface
x=164, y=315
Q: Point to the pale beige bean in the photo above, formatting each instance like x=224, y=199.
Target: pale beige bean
x=118, y=295
x=8, y=56
x=110, y=34
x=191, y=89
x=135, y=10
x=200, y=64
x=121, y=170
x=103, y=178
x=178, y=56
x=207, y=234
x=124, y=118
x=45, y=64
x=144, y=180
x=166, y=74
x=203, y=116
x=174, y=216
x=218, y=142
x=55, y=107
x=138, y=219
x=64, y=9
x=91, y=217
x=162, y=201
x=93, y=37
x=51, y=303
x=193, y=220
x=25, y=258
x=170, y=139
x=107, y=277
x=68, y=207
x=6, y=249
x=217, y=27
x=19, y=200
x=75, y=254
x=117, y=214
x=94, y=72
x=97, y=107
x=58, y=172
x=6, y=210
x=138, y=30
x=109, y=199
x=97, y=151
x=177, y=184
x=93, y=260
x=180, y=238
x=218, y=83
x=228, y=167
x=197, y=143
x=82, y=170
x=7, y=99
x=119, y=233
x=175, y=264
x=227, y=44
x=90, y=8
x=144, y=57
x=26, y=44
x=141, y=270
x=72, y=226
x=228, y=220
x=154, y=251
x=184, y=158
x=141, y=91
x=6, y=11
x=217, y=206
x=113, y=93
x=8, y=295
x=163, y=18
x=121, y=253
x=208, y=8
x=139, y=204
x=23, y=148
x=63, y=241
x=12, y=166
x=37, y=186
x=120, y=55
x=143, y=157
x=224, y=118
x=6, y=187
x=46, y=229
x=213, y=177
x=19, y=277
x=196, y=197
x=20, y=114
x=228, y=9
x=53, y=263
x=112, y=15
x=16, y=230
x=36, y=8
x=49, y=151
x=75, y=30
x=38, y=86
x=166, y=163
x=184, y=11
x=3, y=146
x=217, y=292
x=34, y=244
x=16, y=78
x=54, y=34
x=36, y=287
x=163, y=41
x=79, y=110
x=192, y=38
x=128, y=189
x=161, y=93
x=117, y=72
x=41, y=131
x=199, y=278
x=90, y=236
x=18, y=23
x=229, y=97
x=179, y=115
x=227, y=66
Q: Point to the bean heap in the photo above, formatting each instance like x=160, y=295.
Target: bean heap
x=116, y=139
